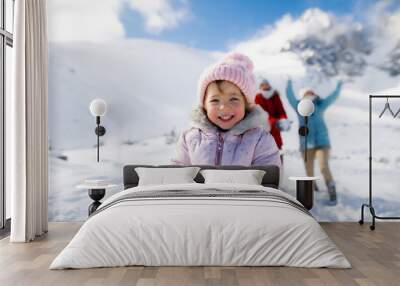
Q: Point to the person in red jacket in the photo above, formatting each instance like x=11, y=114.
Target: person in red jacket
x=268, y=98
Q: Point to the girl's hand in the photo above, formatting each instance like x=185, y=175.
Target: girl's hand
x=284, y=124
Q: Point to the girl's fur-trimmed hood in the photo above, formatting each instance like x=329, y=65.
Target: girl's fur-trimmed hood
x=257, y=117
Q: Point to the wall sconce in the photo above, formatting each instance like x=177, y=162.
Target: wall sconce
x=98, y=107
x=306, y=109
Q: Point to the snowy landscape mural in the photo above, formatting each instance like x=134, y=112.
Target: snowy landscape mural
x=148, y=78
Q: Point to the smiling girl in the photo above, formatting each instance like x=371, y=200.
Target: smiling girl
x=227, y=128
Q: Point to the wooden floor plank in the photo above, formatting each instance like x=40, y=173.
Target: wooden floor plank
x=374, y=255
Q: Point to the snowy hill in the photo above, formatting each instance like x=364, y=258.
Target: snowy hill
x=145, y=83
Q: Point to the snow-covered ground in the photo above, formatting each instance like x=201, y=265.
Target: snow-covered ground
x=66, y=202
x=349, y=164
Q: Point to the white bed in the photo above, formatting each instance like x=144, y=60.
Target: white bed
x=206, y=230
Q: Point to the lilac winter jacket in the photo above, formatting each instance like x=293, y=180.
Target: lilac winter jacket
x=247, y=143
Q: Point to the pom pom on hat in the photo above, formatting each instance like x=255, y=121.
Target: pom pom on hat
x=240, y=59
x=234, y=67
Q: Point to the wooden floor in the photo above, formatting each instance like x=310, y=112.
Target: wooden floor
x=374, y=255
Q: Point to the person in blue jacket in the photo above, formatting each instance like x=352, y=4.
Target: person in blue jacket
x=318, y=144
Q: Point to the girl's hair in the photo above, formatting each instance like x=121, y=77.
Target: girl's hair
x=246, y=104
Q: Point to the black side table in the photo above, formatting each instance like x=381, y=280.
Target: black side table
x=305, y=190
x=96, y=192
x=96, y=195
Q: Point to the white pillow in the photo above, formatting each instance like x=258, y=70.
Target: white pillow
x=249, y=177
x=163, y=176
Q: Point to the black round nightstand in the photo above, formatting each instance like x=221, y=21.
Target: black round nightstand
x=96, y=195
x=96, y=192
x=305, y=190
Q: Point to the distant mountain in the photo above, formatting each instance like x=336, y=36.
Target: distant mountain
x=345, y=55
x=333, y=50
x=392, y=65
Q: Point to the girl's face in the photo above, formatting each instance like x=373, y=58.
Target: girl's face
x=265, y=86
x=224, y=104
x=310, y=95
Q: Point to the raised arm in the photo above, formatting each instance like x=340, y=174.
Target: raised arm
x=290, y=95
x=333, y=96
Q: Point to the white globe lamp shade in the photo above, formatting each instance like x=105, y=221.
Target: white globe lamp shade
x=98, y=107
x=305, y=107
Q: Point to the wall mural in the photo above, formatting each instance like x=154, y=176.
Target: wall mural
x=145, y=62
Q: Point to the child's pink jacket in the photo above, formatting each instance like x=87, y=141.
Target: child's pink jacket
x=247, y=143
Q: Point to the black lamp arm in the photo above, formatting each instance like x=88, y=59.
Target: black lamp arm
x=100, y=131
x=305, y=151
x=303, y=131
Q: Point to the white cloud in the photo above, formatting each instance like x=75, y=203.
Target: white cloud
x=84, y=20
x=160, y=15
x=99, y=21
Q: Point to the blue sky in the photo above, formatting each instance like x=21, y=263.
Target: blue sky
x=213, y=25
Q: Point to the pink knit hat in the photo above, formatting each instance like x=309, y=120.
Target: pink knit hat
x=234, y=67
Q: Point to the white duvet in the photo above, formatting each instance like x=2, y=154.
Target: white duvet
x=200, y=231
